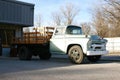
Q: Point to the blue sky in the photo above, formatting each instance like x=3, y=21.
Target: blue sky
x=46, y=7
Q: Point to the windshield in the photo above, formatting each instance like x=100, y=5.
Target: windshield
x=74, y=30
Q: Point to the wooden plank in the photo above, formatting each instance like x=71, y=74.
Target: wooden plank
x=50, y=28
x=31, y=33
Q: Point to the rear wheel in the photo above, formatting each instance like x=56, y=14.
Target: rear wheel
x=76, y=55
x=94, y=58
x=24, y=53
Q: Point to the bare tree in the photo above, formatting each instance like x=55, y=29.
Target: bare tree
x=86, y=28
x=99, y=22
x=57, y=18
x=39, y=20
x=106, y=19
x=113, y=16
x=65, y=15
x=69, y=12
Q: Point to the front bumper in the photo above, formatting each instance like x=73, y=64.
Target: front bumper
x=91, y=53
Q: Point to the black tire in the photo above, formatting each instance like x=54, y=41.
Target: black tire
x=76, y=55
x=24, y=53
x=45, y=56
x=94, y=58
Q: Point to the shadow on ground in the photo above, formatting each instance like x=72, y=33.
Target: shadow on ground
x=11, y=65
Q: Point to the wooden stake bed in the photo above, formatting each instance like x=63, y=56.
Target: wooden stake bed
x=35, y=37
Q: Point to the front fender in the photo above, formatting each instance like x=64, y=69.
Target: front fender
x=83, y=46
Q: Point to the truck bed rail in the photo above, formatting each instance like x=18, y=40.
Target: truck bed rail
x=35, y=37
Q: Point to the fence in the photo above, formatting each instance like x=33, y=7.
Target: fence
x=113, y=45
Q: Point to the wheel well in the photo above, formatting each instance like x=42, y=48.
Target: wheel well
x=71, y=46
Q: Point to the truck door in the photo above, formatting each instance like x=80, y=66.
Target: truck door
x=57, y=42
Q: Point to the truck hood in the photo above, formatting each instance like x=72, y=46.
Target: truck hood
x=97, y=39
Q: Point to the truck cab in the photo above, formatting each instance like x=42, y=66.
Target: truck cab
x=70, y=40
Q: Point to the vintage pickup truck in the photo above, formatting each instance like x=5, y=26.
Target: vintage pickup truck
x=70, y=40
x=64, y=40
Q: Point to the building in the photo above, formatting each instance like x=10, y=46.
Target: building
x=14, y=15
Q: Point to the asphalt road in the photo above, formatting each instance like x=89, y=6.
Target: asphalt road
x=59, y=68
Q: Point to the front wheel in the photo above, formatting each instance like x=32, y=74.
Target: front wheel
x=94, y=58
x=76, y=55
